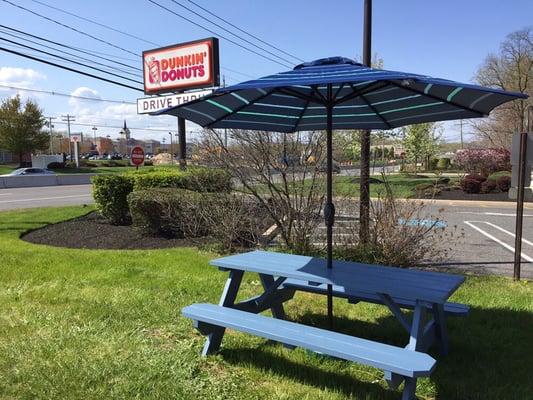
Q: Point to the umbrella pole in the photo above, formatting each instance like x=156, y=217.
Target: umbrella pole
x=329, y=209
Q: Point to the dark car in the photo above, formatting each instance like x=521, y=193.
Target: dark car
x=336, y=169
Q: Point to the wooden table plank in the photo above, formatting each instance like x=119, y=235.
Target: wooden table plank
x=396, y=282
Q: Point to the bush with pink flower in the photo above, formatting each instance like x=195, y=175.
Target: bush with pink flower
x=483, y=161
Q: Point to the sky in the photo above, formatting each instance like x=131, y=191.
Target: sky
x=445, y=39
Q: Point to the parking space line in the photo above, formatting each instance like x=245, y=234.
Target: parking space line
x=505, y=245
x=507, y=232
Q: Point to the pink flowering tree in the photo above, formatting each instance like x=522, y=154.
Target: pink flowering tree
x=483, y=161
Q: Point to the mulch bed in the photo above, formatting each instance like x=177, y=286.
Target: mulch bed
x=91, y=231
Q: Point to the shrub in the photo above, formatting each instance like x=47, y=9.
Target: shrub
x=112, y=202
x=433, y=162
x=168, y=212
x=110, y=195
x=483, y=161
x=488, y=186
x=56, y=165
x=475, y=177
x=184, y=213
x=471, y=185
x=90, y=164
x=443, y=163
x=496, y=175
x=196, y=179
x=110, y=163
x=402, y=234
x=504, y=183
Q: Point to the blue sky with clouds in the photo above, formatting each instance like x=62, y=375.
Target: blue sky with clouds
x=447, y=39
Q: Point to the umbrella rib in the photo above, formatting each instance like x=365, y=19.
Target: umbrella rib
x=341, y=86
x=317, y=92
x=238, y=108
x=375, y=110
x=481, y=114
x=301, y=114
x=300, y=95
x=365, y=90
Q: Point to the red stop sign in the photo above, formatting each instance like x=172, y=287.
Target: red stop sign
x=137, y=155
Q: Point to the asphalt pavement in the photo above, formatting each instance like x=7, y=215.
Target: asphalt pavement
x=487, y=245
x=45, y=196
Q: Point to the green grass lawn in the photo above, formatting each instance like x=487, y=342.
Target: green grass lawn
x=403, y=186
x=6, y=169
x=88, y=324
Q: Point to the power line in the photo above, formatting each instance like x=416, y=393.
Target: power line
x=230, y=32
x=70, y=27
x=73, y=55
x=94, y=22
x=71, y=61
x=65, y=95
x=69, y=69
x=243, y=31
x=78, y=49
x=119, y=127
x=215, y=33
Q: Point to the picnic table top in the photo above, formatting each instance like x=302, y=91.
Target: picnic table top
x=402, y=283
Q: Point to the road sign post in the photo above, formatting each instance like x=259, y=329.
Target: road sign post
x=137, y=156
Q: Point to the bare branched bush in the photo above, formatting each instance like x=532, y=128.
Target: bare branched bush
x=282, y=171
x=402, y=233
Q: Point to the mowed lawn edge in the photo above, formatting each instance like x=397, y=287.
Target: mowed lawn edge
x=84, y=324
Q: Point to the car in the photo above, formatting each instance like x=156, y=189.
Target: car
x=30, y=172
x=336, y=169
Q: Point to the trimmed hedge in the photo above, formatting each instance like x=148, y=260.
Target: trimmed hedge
x=110, y=194
x=443, y=163
x=168, y=212
x=196, y=179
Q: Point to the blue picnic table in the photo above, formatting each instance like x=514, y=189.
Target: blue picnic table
x=281, y=275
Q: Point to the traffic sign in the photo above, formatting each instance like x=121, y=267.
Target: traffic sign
x=75, y=138
x=137, y=156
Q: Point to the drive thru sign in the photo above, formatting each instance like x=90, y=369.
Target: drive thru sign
x=137, y=156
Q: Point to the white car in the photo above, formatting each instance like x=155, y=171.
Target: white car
x=30, y=172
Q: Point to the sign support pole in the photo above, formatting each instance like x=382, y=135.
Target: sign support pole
x=182, y=143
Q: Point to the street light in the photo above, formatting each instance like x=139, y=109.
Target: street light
x=171, y=155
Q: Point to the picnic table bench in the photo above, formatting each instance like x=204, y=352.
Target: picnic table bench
x=282, y=275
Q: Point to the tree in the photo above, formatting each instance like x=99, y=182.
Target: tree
x=420, y=141
x=511, y=70
x=21, y=127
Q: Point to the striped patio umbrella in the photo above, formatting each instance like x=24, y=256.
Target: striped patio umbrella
x=339, y=93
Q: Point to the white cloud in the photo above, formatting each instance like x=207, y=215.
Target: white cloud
x=83, y=92
x=22, y=77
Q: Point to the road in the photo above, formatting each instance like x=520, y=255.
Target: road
x=488, y=227
x=45, y=196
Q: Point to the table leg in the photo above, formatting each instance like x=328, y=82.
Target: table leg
x=229, y=294
x=440, y=328
x=417, y=328
x=277, y=309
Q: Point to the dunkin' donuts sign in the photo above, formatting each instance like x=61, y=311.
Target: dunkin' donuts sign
x=181, y=66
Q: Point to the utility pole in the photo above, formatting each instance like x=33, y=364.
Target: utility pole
x=171, y=154
x=94, y=128
x=50, y=126
x=68, y=119
x=225, y=130
x=364, y=196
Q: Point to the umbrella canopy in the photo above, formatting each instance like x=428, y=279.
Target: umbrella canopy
x=339, y=93
x=362, y=98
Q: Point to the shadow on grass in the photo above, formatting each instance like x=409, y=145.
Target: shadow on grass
x=491, y=352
